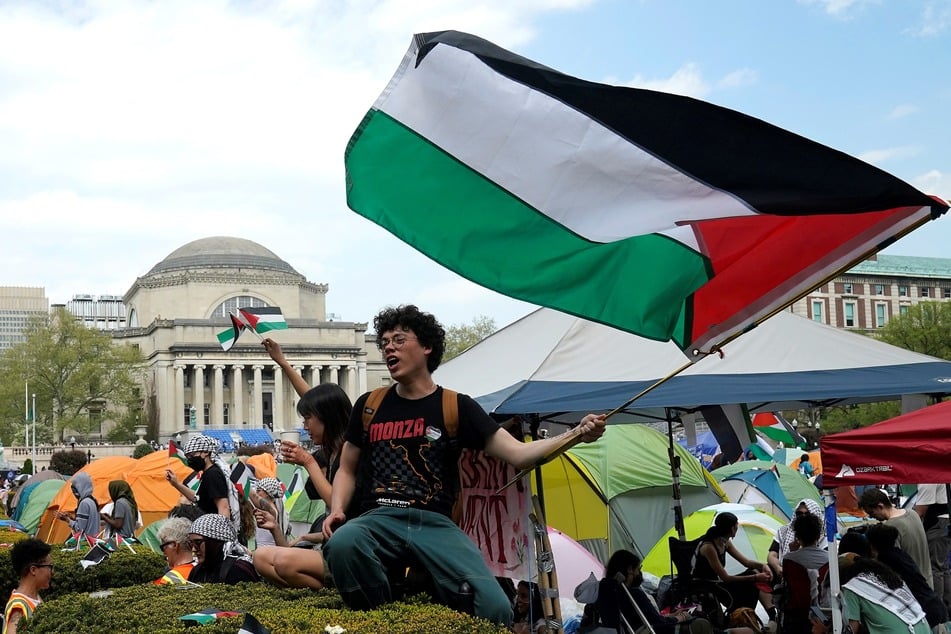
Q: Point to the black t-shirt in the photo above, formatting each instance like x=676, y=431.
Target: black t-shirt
x=214, y=485
x=407, y=458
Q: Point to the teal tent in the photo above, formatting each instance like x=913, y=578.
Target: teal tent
x=34, y=501
x=794, y=485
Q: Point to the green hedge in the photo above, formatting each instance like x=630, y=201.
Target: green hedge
x=155, y=610
x=121, y=569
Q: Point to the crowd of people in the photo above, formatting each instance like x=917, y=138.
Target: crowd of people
x=389, y=499
x=389, y=496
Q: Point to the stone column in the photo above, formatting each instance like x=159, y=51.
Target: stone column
x=198, y=396
x=333, y=374
x=361, y=377
x=178, y=414
x=315, y=374
x=218, y=397
x=257, y=408
x=351, y=381
x=278, y=400
x=237, y=394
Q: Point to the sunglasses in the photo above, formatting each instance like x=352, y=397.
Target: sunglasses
x=196, y=543
x=165, y=545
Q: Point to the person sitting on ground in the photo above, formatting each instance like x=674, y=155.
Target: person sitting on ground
x=174, y=544
x=267, y=495
x=614, y=606
x=883, y=538
x=86, y=521
x=876, y=599
x=34, y=567
x=326, y=411
x=807, y=530
x=125, y=512
x=527, y=608
x=911, y=532
x=785, y=540
x=711, y=565
x=219, y=558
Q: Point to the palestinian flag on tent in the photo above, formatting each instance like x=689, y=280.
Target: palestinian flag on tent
x=646, y=211
x=209, y=615
x=263, y=319
x=775, y=427
x=227, y=338
x=174, y=451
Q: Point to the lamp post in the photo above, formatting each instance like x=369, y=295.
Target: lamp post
x=34, y=433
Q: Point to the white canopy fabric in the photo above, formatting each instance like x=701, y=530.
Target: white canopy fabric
x=551, y=362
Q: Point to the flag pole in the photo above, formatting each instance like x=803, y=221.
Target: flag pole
x=248, y=326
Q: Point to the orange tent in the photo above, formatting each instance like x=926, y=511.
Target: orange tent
x=102, y=471
x=153, y=495
x=264, y=465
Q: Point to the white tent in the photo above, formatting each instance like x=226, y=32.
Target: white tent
x=549, y=362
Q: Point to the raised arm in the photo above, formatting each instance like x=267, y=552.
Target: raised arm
x=277, y=355
x=502, y=445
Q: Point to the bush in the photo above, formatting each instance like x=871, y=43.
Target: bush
x=142, y=450
x=121, y=569
x=27, y=466
x=8, y=537
x=68, y=462
x=155, y=610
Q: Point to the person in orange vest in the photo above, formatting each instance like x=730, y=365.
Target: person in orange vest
x=32, y=562
x=174, y=543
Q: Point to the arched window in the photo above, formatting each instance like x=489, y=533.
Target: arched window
x=232, y=304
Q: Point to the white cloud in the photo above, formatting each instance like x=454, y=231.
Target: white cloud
x=686, y=80
x=738, y=78
x=843, y=9
x=902, y=110
x=935, y=20
x=934, y=182
x=884, y=155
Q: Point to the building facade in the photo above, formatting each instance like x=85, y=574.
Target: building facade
x=175, y=312
x=103, y=312
x=18, y=305
x=867, y=296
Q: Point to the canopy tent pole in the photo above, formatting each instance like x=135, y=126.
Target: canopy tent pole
x=835, y=587
x=675, y=479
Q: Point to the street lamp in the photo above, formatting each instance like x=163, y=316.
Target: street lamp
x=34, y=433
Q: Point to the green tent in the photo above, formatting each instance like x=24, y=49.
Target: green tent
x=617, y=493
x=34, y=502
x=794, y=485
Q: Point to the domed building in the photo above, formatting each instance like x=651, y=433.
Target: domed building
x=175, y=312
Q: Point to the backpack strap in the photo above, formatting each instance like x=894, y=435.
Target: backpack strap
x=373, y=404
x=450, y=411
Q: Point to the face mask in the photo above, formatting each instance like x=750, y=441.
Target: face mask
x=196, y=463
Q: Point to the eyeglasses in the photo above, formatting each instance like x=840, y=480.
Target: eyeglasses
x=398, y=341
x=50, y=566
x=165, y=545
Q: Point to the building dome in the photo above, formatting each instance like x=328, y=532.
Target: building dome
x=222, y=252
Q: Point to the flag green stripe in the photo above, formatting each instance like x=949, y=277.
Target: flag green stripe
x=405, y=184
x=266, y=326
x=226, y=335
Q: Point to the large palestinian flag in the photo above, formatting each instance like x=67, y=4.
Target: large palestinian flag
x=658, y=214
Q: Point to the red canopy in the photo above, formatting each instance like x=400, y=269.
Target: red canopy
x=911, y=448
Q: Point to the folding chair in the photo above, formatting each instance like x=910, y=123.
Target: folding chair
x=714, y=600
x=795, y=601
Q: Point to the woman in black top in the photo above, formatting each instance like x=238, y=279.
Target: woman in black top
x=711, y=562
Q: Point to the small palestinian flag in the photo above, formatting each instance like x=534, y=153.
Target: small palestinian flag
x=124, y=541
x=209, y=615
x=263, y=319
x=252, y=626
x=242, y=477
x=227, y=338
x=174, y=451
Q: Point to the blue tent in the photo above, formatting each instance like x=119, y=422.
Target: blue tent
x=759, y=488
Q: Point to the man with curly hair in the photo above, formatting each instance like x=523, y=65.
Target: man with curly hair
x=406, y=461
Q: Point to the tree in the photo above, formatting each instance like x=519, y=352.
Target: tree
x=142, y=450
x=68, y=462
x=925, y=328
x=462, y=336
x=79, y=376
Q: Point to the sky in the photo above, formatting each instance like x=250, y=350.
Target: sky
x=128, y=129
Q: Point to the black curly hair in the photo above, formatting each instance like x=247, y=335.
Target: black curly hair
x=427, y=329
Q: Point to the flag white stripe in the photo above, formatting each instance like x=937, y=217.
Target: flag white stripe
x=553, y=157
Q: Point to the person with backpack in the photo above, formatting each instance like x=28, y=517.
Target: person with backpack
x=403, y=445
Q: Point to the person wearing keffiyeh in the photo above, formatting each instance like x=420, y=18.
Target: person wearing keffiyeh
x=876, y=598
x=786, y=538
x=218, y=555
x=216, y=493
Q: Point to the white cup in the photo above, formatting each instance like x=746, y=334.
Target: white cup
x=291, y=436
